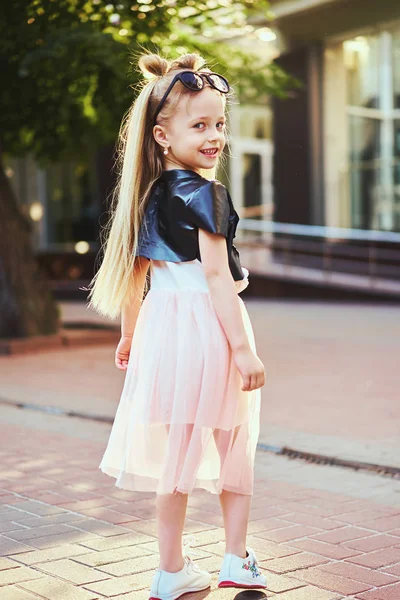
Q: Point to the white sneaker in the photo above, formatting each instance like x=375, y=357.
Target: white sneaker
x=241, y=572
x=169, y=586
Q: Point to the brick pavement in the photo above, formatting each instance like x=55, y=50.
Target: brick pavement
x=320, y=533
x=332, y=372
x=67, y=533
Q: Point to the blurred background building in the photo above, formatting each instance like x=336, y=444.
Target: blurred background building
x=347, y=118
x=328, y=156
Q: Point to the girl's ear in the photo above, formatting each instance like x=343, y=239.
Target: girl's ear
x=160, y=136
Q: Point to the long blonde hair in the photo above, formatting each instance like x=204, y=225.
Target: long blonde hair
x=139, y=165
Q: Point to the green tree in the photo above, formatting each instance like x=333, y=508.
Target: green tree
x=67, y=82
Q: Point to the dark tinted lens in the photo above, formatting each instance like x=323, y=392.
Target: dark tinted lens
x=192, y=81
x=219, y=83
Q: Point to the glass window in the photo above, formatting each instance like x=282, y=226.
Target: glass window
x=364, y=172
x=396, y=68
x=252, y=193
x=361, y=57
x=373, y=97
x=255, y=122
x=396, y=176
x=72, y=210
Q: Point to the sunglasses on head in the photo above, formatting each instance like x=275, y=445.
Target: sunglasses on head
x=195, y=82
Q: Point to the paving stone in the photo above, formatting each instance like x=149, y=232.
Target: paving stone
x=371, y=543
x=294, y=562
x=344, y=534
x=12, y=592
x=206, y=517
x=117, y=541
x=71, y=571
x=50, y=497
x=287, y=534
x=110, y=516
x=9, y=515
x=31, y=521
x=372, y=577
x=209, y=536
x=271, y=549
x=375, y=560
x=129, y=508
x=313, y=521
x=329, y=581
x=12, y=547
x=391, y=592
x=362, y=516
x=11, y=499
x=106, y=557
x=313, y=511
x=37, y=532
x=271, y=511
x=128, y=496
x=52, y=588
x=395, y=532
x=61, y=551
x=308, y=593
x=5, y=564
x=77, y=506
x=9, y=526
x=134, y=565
x=97, y=527
x=38, y=508
x=384, y=523
x=266, y=525
x=11, y=576
x=394, y=569
x=194, y=527
x=324, y=549
x=149, y=527
x=280, y=583
x=122, y=585
x=50, y=541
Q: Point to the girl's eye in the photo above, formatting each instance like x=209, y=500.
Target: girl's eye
x=220, y=125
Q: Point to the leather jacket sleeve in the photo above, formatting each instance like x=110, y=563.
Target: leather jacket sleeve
x=209, y=209
x=181, y=203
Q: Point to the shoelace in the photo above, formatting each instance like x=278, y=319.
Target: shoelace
x=187, y=544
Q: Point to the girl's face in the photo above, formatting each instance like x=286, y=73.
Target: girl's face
x=195, y=134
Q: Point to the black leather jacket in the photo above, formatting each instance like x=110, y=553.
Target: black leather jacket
x=182, y=202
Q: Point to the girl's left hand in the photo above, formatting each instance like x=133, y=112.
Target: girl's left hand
x=122, y=353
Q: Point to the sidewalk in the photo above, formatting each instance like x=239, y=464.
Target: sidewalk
x=67, y=533
x=319, y=532
x=332, y=377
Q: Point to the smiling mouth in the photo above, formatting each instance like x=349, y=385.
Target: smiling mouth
x=210, y=151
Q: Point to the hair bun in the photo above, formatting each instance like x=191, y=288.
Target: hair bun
x=153, y=64
x=188, y=61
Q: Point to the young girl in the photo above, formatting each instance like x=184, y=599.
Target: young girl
x=189, y=411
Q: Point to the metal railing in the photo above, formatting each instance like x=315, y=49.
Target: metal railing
x=350, y=258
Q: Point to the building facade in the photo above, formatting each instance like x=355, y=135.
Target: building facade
x=327, y=155
x=337, y=139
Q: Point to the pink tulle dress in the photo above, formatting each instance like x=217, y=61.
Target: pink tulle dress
x=183, y=421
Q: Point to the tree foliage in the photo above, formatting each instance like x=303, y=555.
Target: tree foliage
x=66, y=82
x=66, y=64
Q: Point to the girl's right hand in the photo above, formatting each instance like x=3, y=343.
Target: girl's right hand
x=122, y=353
x=250, y=368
